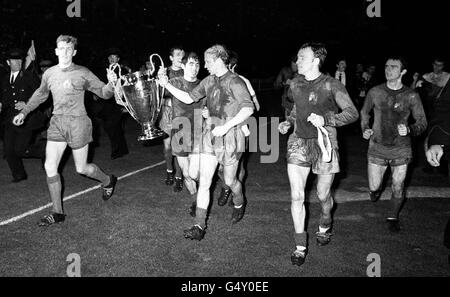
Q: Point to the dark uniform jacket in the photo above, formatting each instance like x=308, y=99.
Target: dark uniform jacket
x=21, y=90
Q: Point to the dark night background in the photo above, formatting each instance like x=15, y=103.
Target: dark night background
x=265, y=32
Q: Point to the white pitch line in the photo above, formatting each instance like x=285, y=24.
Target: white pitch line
x=33, y=211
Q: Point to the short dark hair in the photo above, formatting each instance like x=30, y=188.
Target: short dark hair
x=68, y=39
x=318, y=50
x=439, y=59
x=190, y=55
x=172, y=50
x=404, y=64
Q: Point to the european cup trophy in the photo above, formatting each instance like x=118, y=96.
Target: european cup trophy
x=142, y=97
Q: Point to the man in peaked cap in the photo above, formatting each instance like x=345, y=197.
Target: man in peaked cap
x=16, y=88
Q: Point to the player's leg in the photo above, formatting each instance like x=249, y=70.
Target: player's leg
x=178, y=186
x=299, y=159
x=93, y=171
x=225, y=191
x=170, y=174
x=54, y=152
x=376, y=169
x=241, y=170
x=298, y=176
x=325, y=176
x=194, y=166
x=324, y=182
x=209, y=163
x=297, y=180
x=194, y=175
x=398, y=196
x=184, y=166
x=230, y=172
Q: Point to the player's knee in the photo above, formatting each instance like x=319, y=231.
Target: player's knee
x=82, y=169
x=168, y=144
x=205, y=181
x=193, y=174
x=186, y=174
x=323, y=194
x=203, y=187
x=398, y=182
x=50, y=168
x=297, y=197
x=230, y=180
x=397, y=188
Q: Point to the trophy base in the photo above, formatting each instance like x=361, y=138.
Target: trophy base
x=151, y=134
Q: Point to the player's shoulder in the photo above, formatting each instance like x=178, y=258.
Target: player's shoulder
x=332, y=82
x=410, y=93
x=171, y=73
x=330, y=79
x=297, y=80
x=234, y=77
x=208, y=78
x=177, y=80
x=427, y=76
x=81, y=68
x=50, y=71
x=378, y=88
x=407, y=89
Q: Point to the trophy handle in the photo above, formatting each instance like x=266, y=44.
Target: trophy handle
x=153, y=65
x=160, y=95
x=119, y=94
x=118, y=84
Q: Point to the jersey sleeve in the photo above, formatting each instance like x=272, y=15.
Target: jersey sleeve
x=39, y=96
x=240, y=93
x=96, y=86
x=199, y=92
x=348, y=113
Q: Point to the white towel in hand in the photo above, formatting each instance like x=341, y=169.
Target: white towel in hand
x=324, y=143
